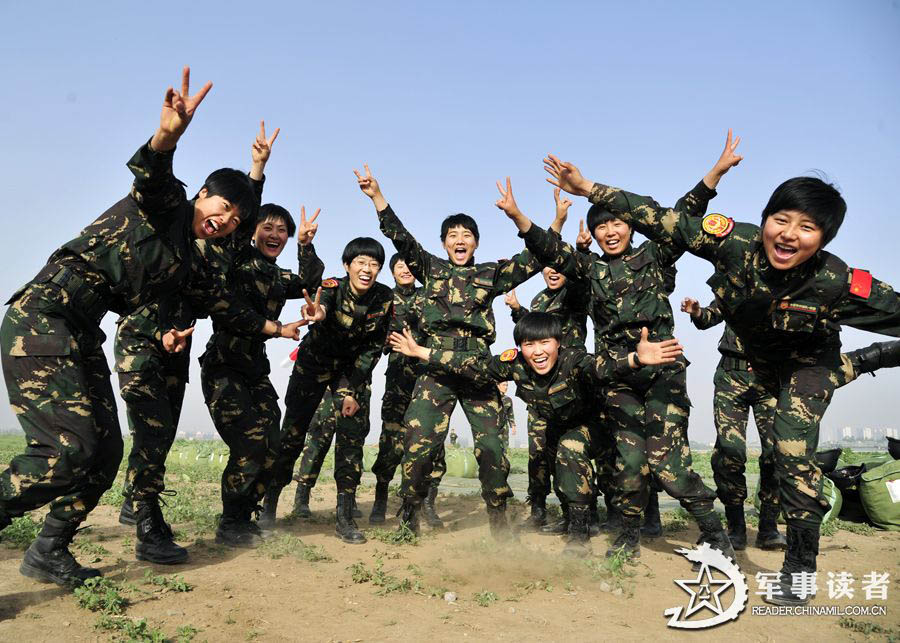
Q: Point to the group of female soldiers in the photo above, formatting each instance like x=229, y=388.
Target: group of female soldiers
x=161, y=261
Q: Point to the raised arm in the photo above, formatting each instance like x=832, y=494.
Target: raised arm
x=414, y=255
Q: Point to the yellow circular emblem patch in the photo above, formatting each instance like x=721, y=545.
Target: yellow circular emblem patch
x=717, y=225
x=508, y=355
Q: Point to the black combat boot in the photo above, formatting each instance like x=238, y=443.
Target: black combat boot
x=409, y=516
x=126, y=513
x=155, y=542
x=432, y=519
x=613, y=517
x=711, y=532
x=878, y=355
x=800, y=556
x=652, y=527
x=629, y=538
x=344, y=525
x=768, y=537
x=379, y=507
x=737, y=526
x=235, y=527
x=48, y=558
x=538, y=517
x=561, y=526
x=301, y=501
x=578, y=543
x=499, y=525
x=270, y=507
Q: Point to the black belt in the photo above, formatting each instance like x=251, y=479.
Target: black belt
x=458, y=344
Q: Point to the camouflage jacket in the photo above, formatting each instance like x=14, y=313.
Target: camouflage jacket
x=729, y=344
x=777, y=314
x=265, y=287
x=564, y=397
x=355, y=327
x=458, y=300
x=629, y=291
x=570, y=304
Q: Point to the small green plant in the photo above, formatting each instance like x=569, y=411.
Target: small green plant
x=101, y=595
x=168, y=583
x=401, y=536
x=485, y=598
x=21, y=532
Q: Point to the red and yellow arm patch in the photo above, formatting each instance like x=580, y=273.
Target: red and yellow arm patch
x=860, y=283
x=509, y=355
x=717, y=225
x=330, y=283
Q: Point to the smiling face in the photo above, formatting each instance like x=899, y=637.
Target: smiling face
x=362, y=271
x=460, y=245
x=214, y=216
x=613, y=236
x=270, y=236
x=541, y=354
x=790, y=237
x=402, y=275
x=553, y=279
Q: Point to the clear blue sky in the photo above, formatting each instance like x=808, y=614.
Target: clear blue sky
x=443, y=99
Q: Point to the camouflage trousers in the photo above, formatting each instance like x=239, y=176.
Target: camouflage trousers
x=153, y=402
x=246, y=415
x=58, y=382
x=348, y=433
x=803, y=388
x=574, y=475
x=737, y=390
x=398, y=389
x=428, y=420
x=648, y=411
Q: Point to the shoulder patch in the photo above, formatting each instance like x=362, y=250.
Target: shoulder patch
x=509, y=355
x=717, y=225
x=330, y=283
x=860, y=283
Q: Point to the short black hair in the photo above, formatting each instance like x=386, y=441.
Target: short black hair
x=597, y=214
x=457, y=220
x=394, y=259
x=235, y=187
x=812, y=196
x=535, y=326
x=363, y=246
x=272, y=211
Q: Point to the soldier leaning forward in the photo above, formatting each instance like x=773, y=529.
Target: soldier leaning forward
x=649, y=408
x=559, y=385
x=569, y=302
x=785, y=298
x=346, y=341
x=399, y=382
x=457, y=315
x=55, y=371
x=235, y=378
x=736, y=391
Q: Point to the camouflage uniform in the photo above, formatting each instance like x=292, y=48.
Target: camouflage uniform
x=348, y=343
x=399, y=381
x=457, y=315
x=55, y=370
x=737, y=390
x=351, y=433
x=564, y=400
x=788, y=322
x=242, y=402
x=570, y=304
x=648, y=408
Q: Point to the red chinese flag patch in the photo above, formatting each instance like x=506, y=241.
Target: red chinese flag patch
x=861, y=283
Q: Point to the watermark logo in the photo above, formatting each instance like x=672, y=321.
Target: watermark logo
x=717, y=575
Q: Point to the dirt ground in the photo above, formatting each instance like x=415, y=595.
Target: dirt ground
x=521, y=591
